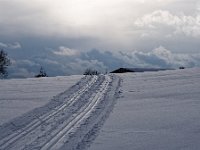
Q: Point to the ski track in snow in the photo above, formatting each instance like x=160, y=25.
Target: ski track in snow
x=68, y=124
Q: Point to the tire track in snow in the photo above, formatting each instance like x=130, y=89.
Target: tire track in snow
x=70, y=123
x=63, y=135
x=59, y=123
x=11, y=139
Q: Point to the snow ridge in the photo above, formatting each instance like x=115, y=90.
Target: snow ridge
x=67, y=124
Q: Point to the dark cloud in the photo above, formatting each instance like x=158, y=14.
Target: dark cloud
x=56, y=65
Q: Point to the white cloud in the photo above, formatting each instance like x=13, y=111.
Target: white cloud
x=3, y=45
x=15, y=45
x=73, y=18
x=162, y=58
x=99, y=24
x=162, y=53
x=181, y=24
x=64, y=51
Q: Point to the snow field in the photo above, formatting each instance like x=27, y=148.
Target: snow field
x=65, y=121
x=156, y=110
x=18, y=96
x=40, y=120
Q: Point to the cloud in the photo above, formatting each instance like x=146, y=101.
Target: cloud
x=15, y=45
x=21, y=73
x=22, y=68
x=78, y=18
x=64, y=51
x=102, y=61
x=180, y=24
x=108, y=25
x=3, y=44
x=81, y=65
x=162, y=58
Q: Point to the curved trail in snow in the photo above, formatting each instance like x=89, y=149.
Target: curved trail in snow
x=69, y=124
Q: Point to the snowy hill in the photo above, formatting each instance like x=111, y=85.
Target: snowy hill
x=18, y=96
x=156, y=111
x=66, y=120
x=151, y=110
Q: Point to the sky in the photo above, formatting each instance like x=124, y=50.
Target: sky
x=68, y=36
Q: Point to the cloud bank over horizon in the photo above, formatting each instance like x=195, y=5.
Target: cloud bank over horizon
x=66, y=61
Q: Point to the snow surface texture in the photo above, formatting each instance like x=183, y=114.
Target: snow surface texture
x=69, y=121
x=156, y=111
x=18, y=96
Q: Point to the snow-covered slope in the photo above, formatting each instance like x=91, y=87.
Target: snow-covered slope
x=156, y=111
x=17, y=96
x=69, y=121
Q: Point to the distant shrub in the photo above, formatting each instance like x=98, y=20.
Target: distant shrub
x=91, y=72
x=181, y=67
x=42, y=73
